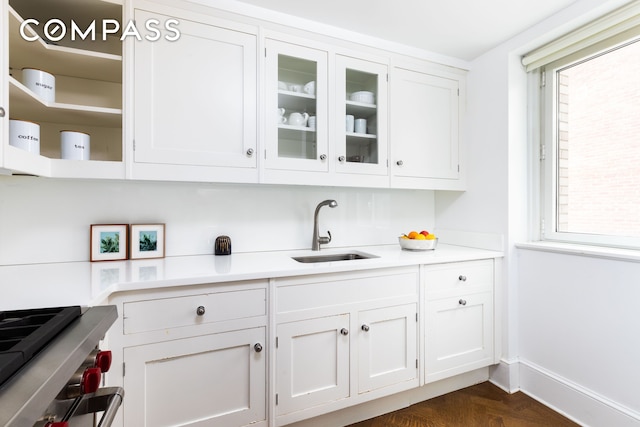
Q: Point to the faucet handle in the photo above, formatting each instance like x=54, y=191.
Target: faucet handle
x=323, y=240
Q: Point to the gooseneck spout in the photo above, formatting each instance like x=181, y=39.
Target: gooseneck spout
x=317, y=239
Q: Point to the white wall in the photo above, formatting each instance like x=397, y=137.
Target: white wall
x=571, y=325
x=47, y=220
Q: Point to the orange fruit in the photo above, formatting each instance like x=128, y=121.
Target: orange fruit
x=413, y=234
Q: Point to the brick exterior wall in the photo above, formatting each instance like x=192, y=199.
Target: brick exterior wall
x=599, y=145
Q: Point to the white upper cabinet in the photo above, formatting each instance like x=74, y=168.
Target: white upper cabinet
x=296, y=108
x=195, y=101
x=425, y=125
x=87, y=88
x=361, y=117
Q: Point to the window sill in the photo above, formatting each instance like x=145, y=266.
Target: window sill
x=618, y=254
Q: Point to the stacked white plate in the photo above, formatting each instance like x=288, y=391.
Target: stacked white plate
x=363, y=96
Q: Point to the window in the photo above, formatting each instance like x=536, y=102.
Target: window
x=590, y=141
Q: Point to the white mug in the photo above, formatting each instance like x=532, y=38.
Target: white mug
x=310, y=88
x=349, y=123
x=74, y=145
x=361, y=126
x=298, y=119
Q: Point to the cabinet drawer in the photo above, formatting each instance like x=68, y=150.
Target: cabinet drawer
x=344, y=288
x=469, y=276
x=165, y=313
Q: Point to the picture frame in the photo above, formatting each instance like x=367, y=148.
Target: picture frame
x=108, y=242
x=146, y=241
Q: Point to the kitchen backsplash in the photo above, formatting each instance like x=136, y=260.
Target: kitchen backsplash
x=47, y=220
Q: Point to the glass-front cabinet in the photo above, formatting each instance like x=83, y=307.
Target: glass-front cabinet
x=296, y=128
x=361, y=121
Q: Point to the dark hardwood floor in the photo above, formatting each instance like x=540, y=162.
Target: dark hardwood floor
x=481, y=405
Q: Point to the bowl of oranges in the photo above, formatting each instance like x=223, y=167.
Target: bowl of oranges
x=418, y=241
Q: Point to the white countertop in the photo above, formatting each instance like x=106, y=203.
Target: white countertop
x=85, y=283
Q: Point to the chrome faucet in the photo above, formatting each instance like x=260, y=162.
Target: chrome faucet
x=317, y=239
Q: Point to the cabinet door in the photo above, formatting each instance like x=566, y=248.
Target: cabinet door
x=212, y=380
x=388, y=351
x=195, y=98
x=361, y=88
x=296, y=84
x=312, y=363
x=458, y=335
x=424, y=125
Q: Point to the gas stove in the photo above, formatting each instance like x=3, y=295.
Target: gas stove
x=51, y=367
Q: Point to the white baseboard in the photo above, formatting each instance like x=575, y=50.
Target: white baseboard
x=506, y=375
x=573, y=401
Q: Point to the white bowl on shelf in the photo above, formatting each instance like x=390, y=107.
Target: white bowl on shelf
x=363, y=96
x=417, y=245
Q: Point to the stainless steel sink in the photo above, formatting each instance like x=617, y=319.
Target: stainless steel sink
x=333, y=257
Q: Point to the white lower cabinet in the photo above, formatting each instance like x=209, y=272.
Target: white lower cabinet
x=209, y=380
x=192, y=355
x=459, y=318
x=387, y=347
x=312, y=363
x=342, y=339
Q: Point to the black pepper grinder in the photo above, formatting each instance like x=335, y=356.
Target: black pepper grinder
x=222, y=245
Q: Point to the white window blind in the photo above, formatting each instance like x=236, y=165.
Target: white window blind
x=622, y=23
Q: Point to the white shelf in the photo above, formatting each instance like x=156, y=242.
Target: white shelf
x=296, y=128
x=25, y=105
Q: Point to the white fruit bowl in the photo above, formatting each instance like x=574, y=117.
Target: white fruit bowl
x=417, y=245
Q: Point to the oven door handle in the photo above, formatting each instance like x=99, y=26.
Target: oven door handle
x=106, y=399
x=117, y=396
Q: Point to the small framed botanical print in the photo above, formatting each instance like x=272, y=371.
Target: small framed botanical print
x=108, y=242
x=147, y=241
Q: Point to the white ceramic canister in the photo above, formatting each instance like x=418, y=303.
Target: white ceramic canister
x=74, y=145
x=25, y=135
x=41, y=83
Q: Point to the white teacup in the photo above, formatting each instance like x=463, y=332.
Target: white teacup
x=298, y=119
x=312, y=122
x=310, y=88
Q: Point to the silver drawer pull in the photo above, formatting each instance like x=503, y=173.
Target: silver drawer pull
x=462, y=302
x=200, y=310
x=462, y=278
x=257, y=347
x=365, y=328
x=344, y=331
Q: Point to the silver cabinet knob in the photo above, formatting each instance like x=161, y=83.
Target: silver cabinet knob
x=399, y=163
x=344, y=331
x=323, y=157
x=462, y=278
x=200, y=310
x=462, y=302
x=250, y=152
x=365, y=328
x=341, y=159
x=257, y=347
x=2, y=112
